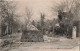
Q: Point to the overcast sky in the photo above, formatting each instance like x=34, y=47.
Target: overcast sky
x=37, y=6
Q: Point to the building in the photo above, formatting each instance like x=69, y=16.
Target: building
x=31, y=34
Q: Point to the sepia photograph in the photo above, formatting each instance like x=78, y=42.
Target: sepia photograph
x=39, y=25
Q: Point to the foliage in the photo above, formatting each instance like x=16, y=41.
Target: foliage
x=8, y=15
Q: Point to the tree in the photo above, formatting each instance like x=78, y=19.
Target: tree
x=8, y=14
x=67, y=12
x=28, y=14
x=33, y=23
x=42, y=22
x=68, y=5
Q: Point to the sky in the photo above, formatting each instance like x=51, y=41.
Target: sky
x=37, y=7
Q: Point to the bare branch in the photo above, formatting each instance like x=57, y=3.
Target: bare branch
x=29, y=14
x=67, y=6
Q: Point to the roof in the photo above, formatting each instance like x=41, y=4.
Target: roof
x=31, y=27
